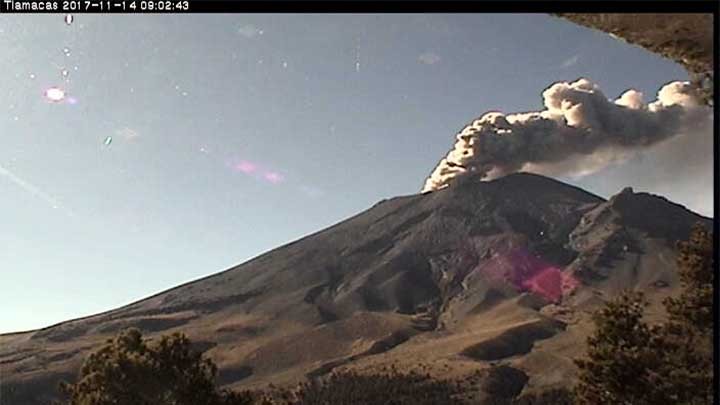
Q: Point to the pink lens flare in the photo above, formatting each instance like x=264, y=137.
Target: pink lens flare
x=255, y=170
x=528, y=272
x=274, y=178
x=546, y=282
x=245, y=167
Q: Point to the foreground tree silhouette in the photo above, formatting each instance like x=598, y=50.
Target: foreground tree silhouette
x=693, y=309
x=630, y=362
x=128, y=370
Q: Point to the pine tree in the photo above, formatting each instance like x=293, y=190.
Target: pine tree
x=688, y=334
x=694, y=307
x=630, y=362
x=129, y=370
x=620, y=355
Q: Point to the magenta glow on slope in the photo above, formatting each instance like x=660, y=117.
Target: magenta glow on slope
x=529, y=273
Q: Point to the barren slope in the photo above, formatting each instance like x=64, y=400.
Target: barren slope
x=450, y=282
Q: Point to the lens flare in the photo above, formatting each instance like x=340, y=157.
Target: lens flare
x=245, y=167
x=254, y=170
x=55, y=94
x=529, y=273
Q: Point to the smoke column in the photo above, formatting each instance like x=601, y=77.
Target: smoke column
x=579, y=132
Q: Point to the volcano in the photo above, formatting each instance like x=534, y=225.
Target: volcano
x=479, y=275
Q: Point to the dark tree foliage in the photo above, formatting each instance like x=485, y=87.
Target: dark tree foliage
x=621, y=353
x=350, y=388
x=630, y=362
x=688, y=334
x=129, y=370
x=694, y=307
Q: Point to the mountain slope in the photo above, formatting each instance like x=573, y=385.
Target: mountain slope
x=448, y=282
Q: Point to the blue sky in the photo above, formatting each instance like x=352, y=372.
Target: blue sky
x=230, y=135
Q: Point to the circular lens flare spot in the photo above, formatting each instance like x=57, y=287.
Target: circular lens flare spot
x=55, y=94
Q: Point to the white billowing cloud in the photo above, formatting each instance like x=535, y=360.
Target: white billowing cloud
x=429, y=58
x=631, y=99
x=578, y=133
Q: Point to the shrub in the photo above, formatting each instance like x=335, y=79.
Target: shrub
x=632, y=362
x=130, y=370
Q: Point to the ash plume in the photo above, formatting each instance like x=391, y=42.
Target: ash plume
x=579, y=132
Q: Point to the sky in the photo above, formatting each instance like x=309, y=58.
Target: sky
x=183, y=145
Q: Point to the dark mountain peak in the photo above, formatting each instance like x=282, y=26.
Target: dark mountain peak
x=521, y=193
x=520, y=182
x=653, y=214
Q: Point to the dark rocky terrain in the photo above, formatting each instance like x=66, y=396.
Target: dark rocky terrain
x=684, y=38
x=495, y=276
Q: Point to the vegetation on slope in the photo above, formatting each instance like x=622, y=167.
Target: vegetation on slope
x=629, y=361
x=632, y=362
x=131, y=370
